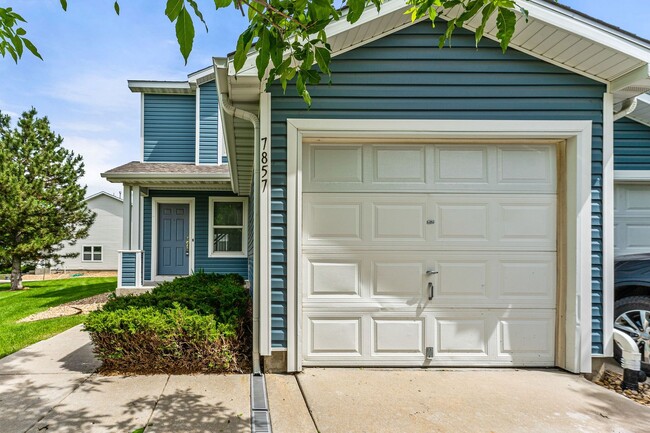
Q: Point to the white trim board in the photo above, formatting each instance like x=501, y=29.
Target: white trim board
x=155, y=201
x=632, y=175
x=577, y=135
x=608, y=224
x=226, y=254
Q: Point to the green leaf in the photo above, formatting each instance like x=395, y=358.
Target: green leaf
x=263, y=53
x=116, y=6
x=356, y=9
x=323, y=58
x=174, y=8
x=222, y=3
x=198, y=13
x=20, y=31
x=506, y=21
x=185, y=33
x=18, y=45
x=243, y=45
x=64, y=4
x=31, y=48
x=487, y=13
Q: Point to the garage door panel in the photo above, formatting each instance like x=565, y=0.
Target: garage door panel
x=462, y=336
x=334, y=336
x=332, y=277
x=399, y=221
x=461, y=164
x=462, y=222
x=526, y=334
x=432, y=168
x=398, y=336
x=399, y=165
x=329, y=220
x=527, y=222
x=526, y=165
x=336, y=164
x=464, y=279
x=402, y=279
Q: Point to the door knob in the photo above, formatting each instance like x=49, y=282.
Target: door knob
x=187, y=246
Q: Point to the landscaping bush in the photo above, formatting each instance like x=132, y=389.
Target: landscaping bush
x=195, y=324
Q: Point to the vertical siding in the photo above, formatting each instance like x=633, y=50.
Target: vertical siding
x=128, y=269
x=209, y=124
x=251, y=240
x=405, y=76
x=220, y=265
x=169, y=128
x=631, y=145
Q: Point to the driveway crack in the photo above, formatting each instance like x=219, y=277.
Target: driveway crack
x=304, y=398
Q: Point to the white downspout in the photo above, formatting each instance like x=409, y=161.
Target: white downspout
x=628, y=107
x=227, y=106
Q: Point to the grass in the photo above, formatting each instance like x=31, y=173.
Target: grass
x=39, y=296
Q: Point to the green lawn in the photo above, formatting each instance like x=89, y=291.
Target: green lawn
x=40, y=296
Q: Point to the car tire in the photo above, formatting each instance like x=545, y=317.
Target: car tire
x=630, y=305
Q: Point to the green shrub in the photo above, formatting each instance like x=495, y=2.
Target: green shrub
x=224, y=296
x=195, y=324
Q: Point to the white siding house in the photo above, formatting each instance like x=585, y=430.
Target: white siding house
x=99, y=250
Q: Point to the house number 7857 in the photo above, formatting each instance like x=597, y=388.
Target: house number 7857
x=264, y=164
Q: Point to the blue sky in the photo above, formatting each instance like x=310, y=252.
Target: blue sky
x=90, y=53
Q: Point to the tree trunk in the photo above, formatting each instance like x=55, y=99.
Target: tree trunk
x=16, y=275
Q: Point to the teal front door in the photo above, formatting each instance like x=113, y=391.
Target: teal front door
x=174, y=239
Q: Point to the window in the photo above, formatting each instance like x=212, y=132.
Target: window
x=228, y=217
x=91, y=253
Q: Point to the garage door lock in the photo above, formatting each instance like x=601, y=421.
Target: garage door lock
x=431, y=222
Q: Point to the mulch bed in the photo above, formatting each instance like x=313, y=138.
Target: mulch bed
x=80, y=306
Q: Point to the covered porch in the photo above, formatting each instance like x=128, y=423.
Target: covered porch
x=172, y=198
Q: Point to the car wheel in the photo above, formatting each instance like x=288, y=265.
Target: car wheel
x=632, y=316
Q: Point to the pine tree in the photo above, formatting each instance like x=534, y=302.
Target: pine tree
x=41, y=201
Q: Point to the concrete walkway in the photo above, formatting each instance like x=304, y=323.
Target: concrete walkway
x=486, y=400
x=51, y=386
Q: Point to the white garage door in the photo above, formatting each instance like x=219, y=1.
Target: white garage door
x=632, y=219
x=379, y=219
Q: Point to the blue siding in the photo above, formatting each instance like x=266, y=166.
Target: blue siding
x=405, y=76
x=169, y=128
x=631, y=145
x=220, y=265
x=209, y=121
x=128, y=270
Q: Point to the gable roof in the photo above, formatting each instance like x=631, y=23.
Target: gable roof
x=553, y=33
x=102, y=193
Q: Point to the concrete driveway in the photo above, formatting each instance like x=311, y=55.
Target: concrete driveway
x=485, y=400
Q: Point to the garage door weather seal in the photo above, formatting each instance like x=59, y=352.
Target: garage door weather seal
x=260, y=416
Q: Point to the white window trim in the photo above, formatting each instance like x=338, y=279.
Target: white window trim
x=155, y=201
x=224, y=254
x=577, y=135
x=92, y=253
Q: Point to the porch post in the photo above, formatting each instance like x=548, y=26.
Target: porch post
x=135, y=218
x=126, y=218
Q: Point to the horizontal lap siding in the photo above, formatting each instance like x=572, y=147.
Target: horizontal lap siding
x=169, y=128
x=128, y=270
x=219, y=265
x=631, y=145
x=405, y=76
x=209, y=122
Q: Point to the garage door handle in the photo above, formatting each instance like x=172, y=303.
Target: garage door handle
x=432, y=272
x=430, y=287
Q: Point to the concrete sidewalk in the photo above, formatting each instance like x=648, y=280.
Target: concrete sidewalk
x=51, y=386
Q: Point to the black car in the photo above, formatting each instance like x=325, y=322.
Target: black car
x=632, y=307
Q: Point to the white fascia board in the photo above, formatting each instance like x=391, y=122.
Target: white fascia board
x=168, y=176
x=201, y=73
x=632, y=175
x=138, y=86
x=643, y=101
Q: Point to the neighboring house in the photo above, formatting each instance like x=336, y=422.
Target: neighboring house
x=98, y=252
x=433, y=207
